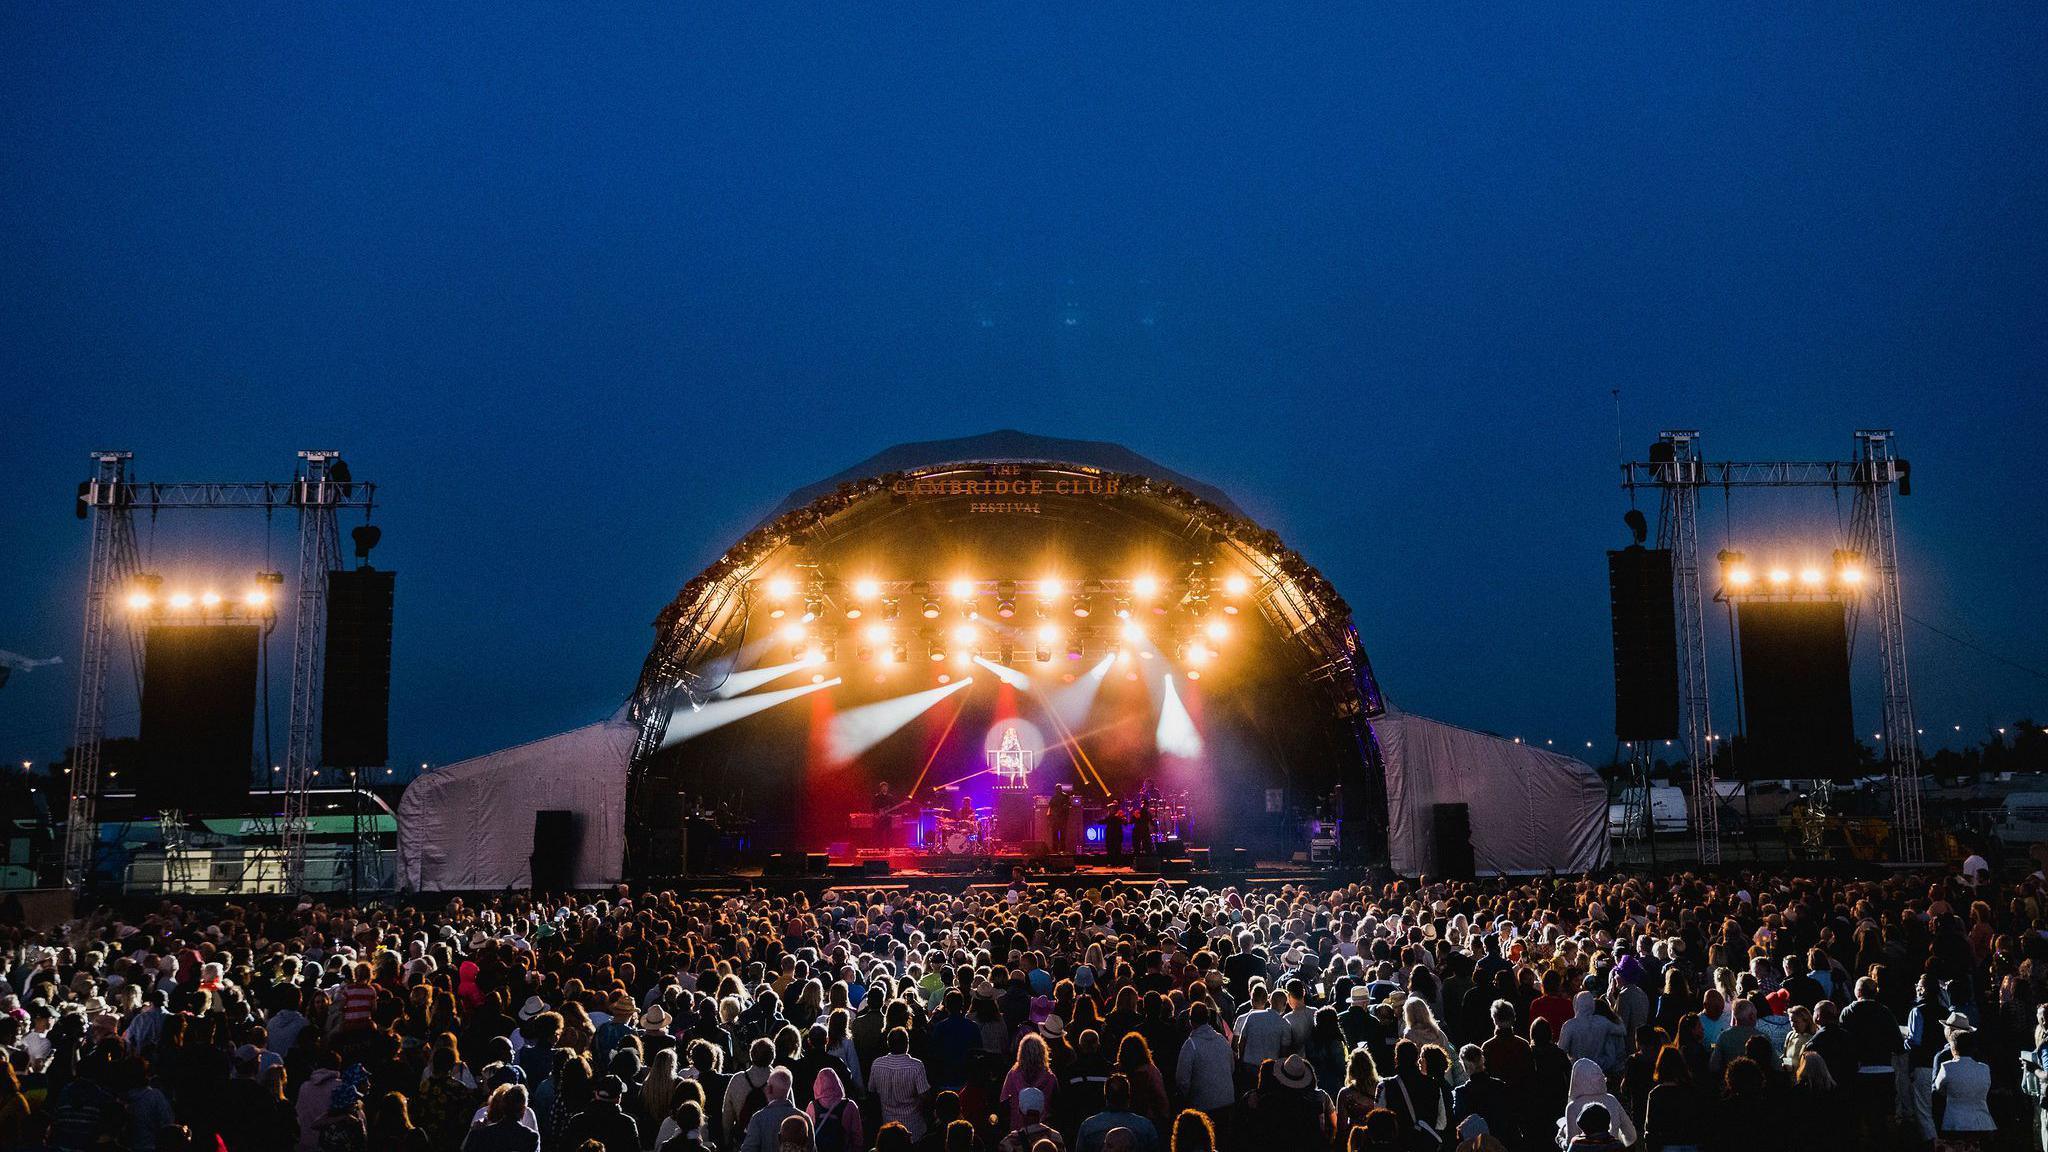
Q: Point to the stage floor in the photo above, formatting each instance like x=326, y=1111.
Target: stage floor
x=950, y=876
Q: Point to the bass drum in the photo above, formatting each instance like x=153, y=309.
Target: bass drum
x=957, y=842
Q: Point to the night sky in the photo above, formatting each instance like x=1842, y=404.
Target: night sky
x=588, y=290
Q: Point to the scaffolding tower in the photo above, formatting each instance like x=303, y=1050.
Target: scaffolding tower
x=1875, y=475
x=109, y=501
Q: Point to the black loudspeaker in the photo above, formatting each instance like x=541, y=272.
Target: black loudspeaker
x=850, y=870
x=815, y=863
x=875, y=867
x=1240, y=859
x=1176, y=867
x=198, y=714
x=1451, y=826
x=555, y=847
x=1013, y=815
x=1199, y=857
x=1795, y=690
x=1645, y=644
x=355, y=701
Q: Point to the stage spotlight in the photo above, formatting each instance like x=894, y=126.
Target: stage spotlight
x=1050, y=588
x=1145, y=587
x=1194, y=674
x=853, y=611
x=866, y=589
x=256, y=598
x=899, y=652
x=938, y=652
x=964, y=634
x=210, y=599
x=1740, y=577
x=961, y=589
x=1811, y=577
x=781, y=588
x=1083, y=606
x=889, y=609
x=777, y=612
x=931, y=609
x=812, y=606
x=1236, y=585
x=1048, y=633
x=963, y=659
x=1133, y=632
x=181, y=600
x=817, y=677
x=863, y=653
x=1123, y=608
x=1851, y=576
x=876, y=633
x=1074, y=649
x=793, y=633
x=1044, y=654
x=1198, y=654
x=139, y=601
x=1216, y=630
x=945, y=679
x=1780, y=576
x=1198, y=606
x=815, y=655
x=1006, y=599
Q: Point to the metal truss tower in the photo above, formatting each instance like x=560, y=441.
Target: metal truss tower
x=1678, y=472
x=1678, y=528
x=316, y=493
x=103, y=501
x=110, y=500
x=1874, y=532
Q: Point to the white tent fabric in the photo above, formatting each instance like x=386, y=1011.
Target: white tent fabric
x=1531, y=810
x=469, y=826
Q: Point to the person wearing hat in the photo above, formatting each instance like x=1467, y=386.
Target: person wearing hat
x=1031, y=1127
x=1290, y=1111
x=604, y=1121
x=1963, y=1080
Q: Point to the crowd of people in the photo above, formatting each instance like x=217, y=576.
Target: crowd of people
x=1669, y=1011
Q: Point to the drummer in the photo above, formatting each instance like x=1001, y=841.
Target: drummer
x=966, y=810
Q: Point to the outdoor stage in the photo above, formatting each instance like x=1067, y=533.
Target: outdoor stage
x=958, y=655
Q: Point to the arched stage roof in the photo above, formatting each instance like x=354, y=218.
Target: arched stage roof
x=1005, y=446
x=1293, y=594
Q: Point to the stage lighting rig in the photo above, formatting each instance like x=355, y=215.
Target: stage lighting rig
x=1006, y=599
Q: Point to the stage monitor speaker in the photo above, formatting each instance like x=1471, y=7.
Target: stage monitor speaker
x=1645, y=644
x=845, y=870
x=198, y=716
x=1452, y=828
x=555, y=847
x=1241, y=859
x=355, y=698
x=1172, y=867
x=1013, y=815
x=815, y=863
x=875, y=867
x=1795, y=690
x=1199, y=857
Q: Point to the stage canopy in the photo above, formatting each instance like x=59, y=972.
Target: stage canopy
x=468, y=826
x=1531, y=810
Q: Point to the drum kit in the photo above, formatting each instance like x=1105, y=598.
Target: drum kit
x=955, y=835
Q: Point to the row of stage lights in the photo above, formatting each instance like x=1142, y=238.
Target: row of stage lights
x=259, y=599
x=883, y=643
x=1740, y=578
x=868, y=594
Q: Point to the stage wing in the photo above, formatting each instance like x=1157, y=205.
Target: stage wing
x=1531, y=810
x=469, y=826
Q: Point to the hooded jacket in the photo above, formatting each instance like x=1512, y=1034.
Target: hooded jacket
x=1591, y=1036
x=1589, y=1086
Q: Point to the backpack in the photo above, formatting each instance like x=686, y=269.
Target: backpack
x=831, y=1133
x=757, y=1099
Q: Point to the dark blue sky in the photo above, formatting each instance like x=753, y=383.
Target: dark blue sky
x=588, y=290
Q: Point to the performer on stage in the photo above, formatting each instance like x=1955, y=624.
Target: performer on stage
x=1143, y=825
x=1113, y=833
x=1057, y=810
x=885, y=797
